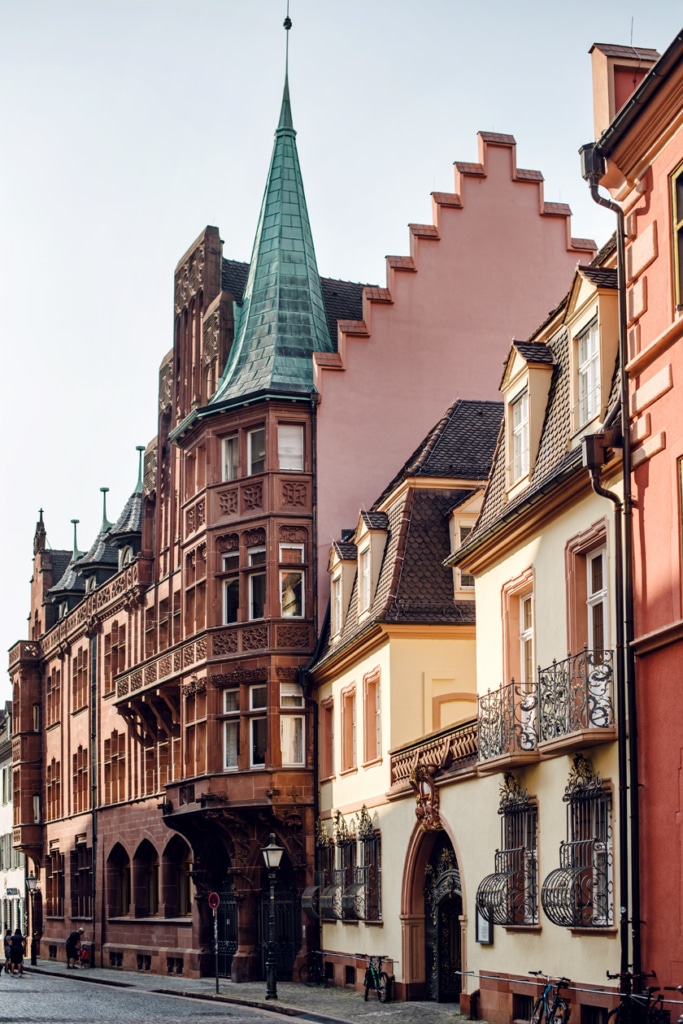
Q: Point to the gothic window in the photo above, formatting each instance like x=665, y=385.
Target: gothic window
x=81, y=881
x=81, y=796
x=54, y=884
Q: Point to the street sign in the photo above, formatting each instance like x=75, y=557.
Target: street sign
x=214, y=900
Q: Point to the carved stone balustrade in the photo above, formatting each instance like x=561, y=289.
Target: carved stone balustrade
x=448, y=750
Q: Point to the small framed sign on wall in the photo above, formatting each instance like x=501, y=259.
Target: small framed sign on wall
x=484, y=929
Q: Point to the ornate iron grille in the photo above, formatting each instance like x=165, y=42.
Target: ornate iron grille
x=575, y=694
x=331, y=898
x=579, y=894
x=507, y=720
x=510, y=894
x=371, y=847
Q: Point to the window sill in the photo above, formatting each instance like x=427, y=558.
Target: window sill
x=609, y=929
x=349, y=771
x=372, y=763
x=534, y=929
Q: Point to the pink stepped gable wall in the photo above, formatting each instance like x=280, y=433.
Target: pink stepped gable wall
x=496, y=259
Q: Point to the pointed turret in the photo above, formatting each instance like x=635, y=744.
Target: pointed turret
x=282, y=319
x=102, y=560
x=127, y=530
x=70, y=587
x=39, y=537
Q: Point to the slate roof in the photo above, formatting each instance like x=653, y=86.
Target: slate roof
x=101, y=554
x=413, y=584
x=69, y=582
x=129, y=523
x=460, y=446
x=601, y=277
x=60, y=562
x=533, y=351
x=343, y=300
x=347, y=552
x=282, y=319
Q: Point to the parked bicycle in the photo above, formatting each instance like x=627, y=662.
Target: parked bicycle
x=646, y=1007
x=314, y=970
x=675, y=988
x=551, y=1006
x=376, y=978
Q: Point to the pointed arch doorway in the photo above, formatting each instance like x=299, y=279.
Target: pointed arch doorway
x=431, y=917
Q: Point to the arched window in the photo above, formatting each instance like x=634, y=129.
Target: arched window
x=146, y=880
x=118, y=882
x=176, y=881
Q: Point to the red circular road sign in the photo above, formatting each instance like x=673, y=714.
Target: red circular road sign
x=214, y=900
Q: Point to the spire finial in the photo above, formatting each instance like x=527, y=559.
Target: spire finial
x=76, y=553
x=106, y=525
x=140, y=448
x=39, y=537
x=287, y=23
x=286, y=111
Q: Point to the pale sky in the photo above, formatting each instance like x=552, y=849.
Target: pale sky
x=129, y=125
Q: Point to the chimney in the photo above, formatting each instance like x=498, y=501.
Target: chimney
x=617, y=73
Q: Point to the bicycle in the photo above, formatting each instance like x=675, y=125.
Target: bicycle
x=675, y=988
x=553, y=1010
x=314, y=970
x=375, y=977
x=645, y=1006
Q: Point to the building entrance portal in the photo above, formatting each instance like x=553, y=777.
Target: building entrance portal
x=227, y=928
x=443, y=908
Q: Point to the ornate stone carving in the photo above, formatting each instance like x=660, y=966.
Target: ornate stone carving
x=122, y=688
x=227, y=502
x=188, y=654
x=177, y=661
x=166, y=386
x=426, y=796
x=294, y=636
x=252, y=496
x=287, y=672
x=149, y=482
x=195, y=516
x=136, y=681
x=228, y=542
x=200, y=649
x=255, y=538
x=224, y=643
x=240, y=675
x=189, y=278
x=194, y=685
x=151, y=673
x=255, y=638
x=165, y=666
x=294, y=493
x=212, y=335
x=293, y=535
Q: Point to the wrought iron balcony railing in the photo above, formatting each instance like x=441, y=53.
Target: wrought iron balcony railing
x=510, y=895
x=579, y=894
x=508, y=721
x=570, y=701
x=575, y=694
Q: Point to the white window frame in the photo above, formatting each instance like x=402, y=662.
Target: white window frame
x=231, y=727
x=291, y=695
x=364, y=578
x=284, y=573
x=526, y=638
x=289, y=726
x=226, y=585
x=252, y=578
x=233, y=691
x=231, y=447
x=252, y=697
x=596, y=598
x=519, y=431
x=588, y=373
x=466, y=581
x=250, y=450
x=290, y=447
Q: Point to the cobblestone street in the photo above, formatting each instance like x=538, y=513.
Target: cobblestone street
x=48, y=994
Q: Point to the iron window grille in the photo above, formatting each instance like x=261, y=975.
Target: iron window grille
x=579, y=894
x=509, y=896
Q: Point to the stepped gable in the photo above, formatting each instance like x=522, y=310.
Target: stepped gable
x=282, y=319
x=425, y=234
x=461, y=445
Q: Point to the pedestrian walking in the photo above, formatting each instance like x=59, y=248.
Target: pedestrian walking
x=73, y=947
x=8, y=937
x=16, y=953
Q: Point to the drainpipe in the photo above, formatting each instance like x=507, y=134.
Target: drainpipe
x=94, y=767
x=592, y=169
x=594, y=457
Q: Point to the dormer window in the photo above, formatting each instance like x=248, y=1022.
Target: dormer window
x=125, y=556
x=520, y=436
x=90, y=584
x=336, y=604
x=588, y=366
x=364, y=576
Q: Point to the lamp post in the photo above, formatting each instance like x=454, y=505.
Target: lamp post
x=272, y=855
x=31, y=884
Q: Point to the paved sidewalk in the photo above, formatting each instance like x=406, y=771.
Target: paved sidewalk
x=317, y=1004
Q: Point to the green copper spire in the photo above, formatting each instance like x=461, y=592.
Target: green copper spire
x=282, y=319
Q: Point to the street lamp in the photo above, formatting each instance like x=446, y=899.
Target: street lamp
x=31, y=884
x=272, y=855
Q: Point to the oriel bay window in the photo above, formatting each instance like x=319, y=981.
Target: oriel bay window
x=579, y=894
x=291, y=581
x=290, y=446
x=292, y=726
x=231, y=729
x=231, y=587
x=256, y=451
x=509, y=896
x=257, y=583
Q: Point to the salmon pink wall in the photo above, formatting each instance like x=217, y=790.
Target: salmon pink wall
x=494, y=262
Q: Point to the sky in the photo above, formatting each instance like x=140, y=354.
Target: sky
x=129, y=125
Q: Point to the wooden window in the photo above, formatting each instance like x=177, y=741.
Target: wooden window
x=336, y=604
x=290, y=446
x=292, y=734
x=327, y=738
x=587, y=573
x=54, y=884
x=372, y=720
x=677, y=231
x=79, y=678
x=466, y=578
x=258, y=731
x=526, y=638
x=520, y=437
x=114, y=654
x=115, y=768
x=53, y=790
x=80, y=778
x=518, y=628
x=257, y=451
x=588, y=371
x=231, y=457
x=348, y=724
x=195, y=734
x=81, y=881
x=53, y=696
x=231, y=729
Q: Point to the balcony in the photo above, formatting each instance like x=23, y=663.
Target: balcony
x=448, y=750
x=568, y=707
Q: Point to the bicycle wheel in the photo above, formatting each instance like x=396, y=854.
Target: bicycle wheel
x=559, y=1013
x=384, y=988
x=537, y=1012
x=305, y=975
x=368, y=983
x=615, y=1016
